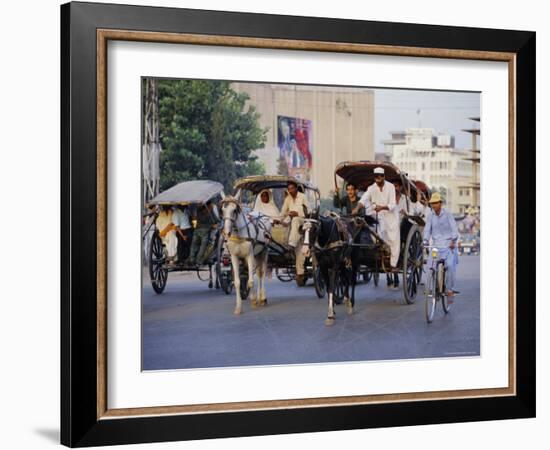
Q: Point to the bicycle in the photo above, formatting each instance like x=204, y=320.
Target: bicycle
x=435, y=290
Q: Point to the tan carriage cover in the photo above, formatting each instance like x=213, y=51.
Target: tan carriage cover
x=188, y=192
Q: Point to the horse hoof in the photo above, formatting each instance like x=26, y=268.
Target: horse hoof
x=263, y=302
x=351, y=311
x=329, y=321
x=254, y=303
x=237, y=311
x=347, y=301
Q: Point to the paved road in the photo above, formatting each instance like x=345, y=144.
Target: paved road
x=191, y=326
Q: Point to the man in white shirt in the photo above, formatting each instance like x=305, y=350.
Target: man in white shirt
x=295, y=209
x=379, y=198
x=181, y=219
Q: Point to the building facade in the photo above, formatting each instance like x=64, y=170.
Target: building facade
x=433, y=158
x=312, y=128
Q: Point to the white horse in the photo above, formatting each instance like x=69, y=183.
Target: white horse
x=247, y=235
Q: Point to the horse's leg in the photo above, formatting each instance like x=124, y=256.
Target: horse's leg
x=332, y=278
x=251, y=273
x=345, y=274
x=237, y=282
x=262, y=274
x=351, y=303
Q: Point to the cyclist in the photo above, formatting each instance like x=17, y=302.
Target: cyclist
x=441, y=229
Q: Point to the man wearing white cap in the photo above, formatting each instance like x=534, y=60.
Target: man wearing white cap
x=379, y=198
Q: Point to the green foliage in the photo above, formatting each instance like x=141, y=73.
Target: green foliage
x=206, y=132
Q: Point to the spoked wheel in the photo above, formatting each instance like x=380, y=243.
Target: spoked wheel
x=285, y=275
x=318, y=280
x=157, y=272
x=430, y=294
x=200, y=276
x=223, y=277
x=340, y=287
x=441, y=282
x=413, y=260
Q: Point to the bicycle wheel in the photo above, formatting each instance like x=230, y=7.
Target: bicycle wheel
x=430, y=294
x=444, y=298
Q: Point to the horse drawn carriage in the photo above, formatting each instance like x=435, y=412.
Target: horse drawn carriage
x=281, y=258
x=197, y=199
x=371, y=250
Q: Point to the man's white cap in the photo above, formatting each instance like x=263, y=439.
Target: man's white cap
x=379, y=170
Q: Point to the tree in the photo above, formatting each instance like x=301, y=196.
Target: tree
x=207, y=132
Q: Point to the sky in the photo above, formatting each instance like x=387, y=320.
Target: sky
x=444, y=111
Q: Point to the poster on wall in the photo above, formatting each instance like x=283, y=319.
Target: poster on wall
x=294, y=142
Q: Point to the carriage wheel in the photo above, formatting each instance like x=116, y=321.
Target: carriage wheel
x=340, y=285
x=157, y=271
x=286, y=276
x=318, y=281
x=413, y=260
x=223, y=277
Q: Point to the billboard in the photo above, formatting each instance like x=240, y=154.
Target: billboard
x=294, y=142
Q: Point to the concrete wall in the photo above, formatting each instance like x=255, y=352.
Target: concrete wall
x=342, y=124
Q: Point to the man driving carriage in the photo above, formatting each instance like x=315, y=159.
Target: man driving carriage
x=294, y=210
x=379, y=200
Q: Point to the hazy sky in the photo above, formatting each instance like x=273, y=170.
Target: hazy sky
x=446, y=112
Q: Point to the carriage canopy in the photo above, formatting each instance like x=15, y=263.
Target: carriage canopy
x=361, y=174
x=189, y=192
x=256, y=183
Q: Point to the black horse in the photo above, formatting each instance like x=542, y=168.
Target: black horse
x=361, y=244
x=325, y=238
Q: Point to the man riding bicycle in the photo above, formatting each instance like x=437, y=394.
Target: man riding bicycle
x=441, y=229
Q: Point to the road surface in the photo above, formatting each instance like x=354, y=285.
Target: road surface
x=192, y=326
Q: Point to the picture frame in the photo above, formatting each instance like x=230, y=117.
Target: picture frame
x=86, y=28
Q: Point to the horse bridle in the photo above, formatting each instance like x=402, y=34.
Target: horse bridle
x=238, y=210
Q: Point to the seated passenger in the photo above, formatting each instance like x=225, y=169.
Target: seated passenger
x=167, y=231
x=349, y=202
x=207, y=220
x=266, y=206
x=181, y=219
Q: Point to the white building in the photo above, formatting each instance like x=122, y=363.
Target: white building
x=434, y=159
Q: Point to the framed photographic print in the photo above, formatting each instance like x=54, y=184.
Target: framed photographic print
x=277, y=224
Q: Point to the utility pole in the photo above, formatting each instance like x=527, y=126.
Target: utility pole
x=151, y=142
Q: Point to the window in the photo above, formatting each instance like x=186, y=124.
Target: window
x=423, y=166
